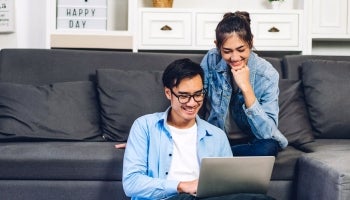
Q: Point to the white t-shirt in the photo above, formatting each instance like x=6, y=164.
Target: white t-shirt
x=184, y=165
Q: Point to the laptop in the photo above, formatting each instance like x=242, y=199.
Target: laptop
x=222, y=176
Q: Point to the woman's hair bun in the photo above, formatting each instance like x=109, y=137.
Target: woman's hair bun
x=242, y=14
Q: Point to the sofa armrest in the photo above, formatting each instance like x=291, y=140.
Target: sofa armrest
x=324, y=175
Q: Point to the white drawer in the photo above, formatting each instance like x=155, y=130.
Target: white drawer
x=205, y=31
x=165, y=28
x=275, y=30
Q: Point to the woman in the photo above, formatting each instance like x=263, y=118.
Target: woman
x=242, y=90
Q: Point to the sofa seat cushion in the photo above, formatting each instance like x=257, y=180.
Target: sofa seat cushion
x=61, y=190
x=327, y=145
x=60, y=161
x=324, y=175
x=285, y=164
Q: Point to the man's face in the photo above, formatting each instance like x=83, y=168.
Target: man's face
x=235, y=51
x=183, y=113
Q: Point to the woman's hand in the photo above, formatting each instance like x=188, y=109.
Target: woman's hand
x=241, y=78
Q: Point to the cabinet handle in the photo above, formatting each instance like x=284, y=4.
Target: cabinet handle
x=166, y=28
x=274, y=30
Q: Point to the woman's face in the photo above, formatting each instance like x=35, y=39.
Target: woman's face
x=235, y=51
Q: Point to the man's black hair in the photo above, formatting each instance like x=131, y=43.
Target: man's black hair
x=180, y=69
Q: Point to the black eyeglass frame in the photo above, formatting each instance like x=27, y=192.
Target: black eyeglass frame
x=189, y=96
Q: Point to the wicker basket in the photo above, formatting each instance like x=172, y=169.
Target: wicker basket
x=163, y=3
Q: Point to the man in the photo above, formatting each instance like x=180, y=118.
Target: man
x=164, y=150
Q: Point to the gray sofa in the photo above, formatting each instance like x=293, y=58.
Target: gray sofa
x=62, y=111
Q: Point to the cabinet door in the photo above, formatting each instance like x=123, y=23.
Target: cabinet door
x=329, y=17
x=205, y=31
x=275, y=30
x=165, y=29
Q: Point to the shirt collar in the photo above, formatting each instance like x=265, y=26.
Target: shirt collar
x=202, y=131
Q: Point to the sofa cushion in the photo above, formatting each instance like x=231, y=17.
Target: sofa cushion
x=285, y=164
x=326, y=87
x=66, y=111
x=293, y=117
x=61, y=160
x=126, y=95
x=320, y=145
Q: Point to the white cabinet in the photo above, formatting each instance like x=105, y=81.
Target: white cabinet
x=172, y=29
x=330, y=19
x=117, y=33
x=135, y=26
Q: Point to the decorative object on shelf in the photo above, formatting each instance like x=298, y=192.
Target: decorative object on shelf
x=6, y=16
x=162, y=3
x=275, y=4
x=82, y=14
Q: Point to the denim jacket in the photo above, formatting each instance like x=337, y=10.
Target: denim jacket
x=261, y=119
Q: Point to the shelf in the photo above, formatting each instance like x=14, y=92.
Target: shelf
x=118, y=33
x=107, y=40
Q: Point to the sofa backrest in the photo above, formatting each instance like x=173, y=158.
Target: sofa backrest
x=32, y=69
x=292, y=63
x=45, y=66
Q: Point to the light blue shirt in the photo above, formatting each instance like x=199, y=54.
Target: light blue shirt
x=148, y=155
x=261, y=119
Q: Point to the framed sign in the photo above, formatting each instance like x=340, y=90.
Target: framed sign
x=7, y=16
x=82, y=14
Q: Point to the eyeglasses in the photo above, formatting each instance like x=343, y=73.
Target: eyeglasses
x=185, y=98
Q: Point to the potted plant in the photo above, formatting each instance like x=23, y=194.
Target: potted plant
x=275, y=3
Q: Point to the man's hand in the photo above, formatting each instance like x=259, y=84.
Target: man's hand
x=120, y=146
x=189, y=187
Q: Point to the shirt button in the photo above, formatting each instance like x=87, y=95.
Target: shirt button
x=166, y=173
x=170, y=154
x=249, y=112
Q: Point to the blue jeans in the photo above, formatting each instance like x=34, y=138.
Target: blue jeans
x=241, y=196
x=263, y=147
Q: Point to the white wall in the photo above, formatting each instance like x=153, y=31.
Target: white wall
x=31, y=28
x=32, y=25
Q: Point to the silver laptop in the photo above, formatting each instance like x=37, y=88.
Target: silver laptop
x=222, y=176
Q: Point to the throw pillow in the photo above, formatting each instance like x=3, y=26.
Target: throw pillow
x=293, y=117
x=126, y=95
x=67, y=111
x=327, y=89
